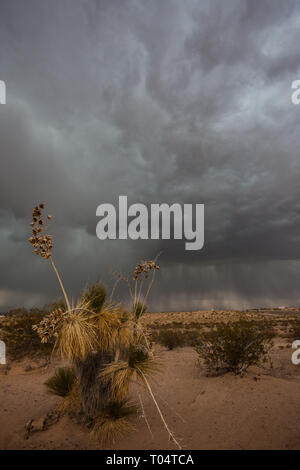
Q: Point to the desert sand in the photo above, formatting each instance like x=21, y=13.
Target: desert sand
x=258, y=411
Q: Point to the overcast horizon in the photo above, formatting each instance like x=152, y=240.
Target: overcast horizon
x=162, y=101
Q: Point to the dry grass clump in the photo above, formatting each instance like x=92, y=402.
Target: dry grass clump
x=108, y=347
x=62, y=382
x=113, y=423
x=72, y=402
x=77, y=336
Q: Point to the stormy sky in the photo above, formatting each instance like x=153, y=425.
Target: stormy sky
x=162, y=101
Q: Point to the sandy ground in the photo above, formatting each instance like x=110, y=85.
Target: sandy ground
x=258, y=411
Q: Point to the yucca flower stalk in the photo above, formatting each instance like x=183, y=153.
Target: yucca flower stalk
x=142, y=272
x=43, y=243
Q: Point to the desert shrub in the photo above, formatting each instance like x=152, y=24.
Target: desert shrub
x=171, y=339
x=16, y=330
x=95, y=296
x=62, y=382
x=294, y=330
x=191, y=337
x=235, y=346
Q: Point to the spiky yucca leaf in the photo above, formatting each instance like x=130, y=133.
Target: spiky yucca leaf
x=119, y=375
x=120, y=409
x=112, y=424
x=77, y=336
x=124, y=334
x=142, y=361
x=112, y=332
x=139, y=309
x=72, y=402
x=94, y=296
x=62, y=381
x=139, y=360
x=107, y=324
x=108, y=431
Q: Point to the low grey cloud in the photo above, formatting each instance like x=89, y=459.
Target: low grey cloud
x=170, y=101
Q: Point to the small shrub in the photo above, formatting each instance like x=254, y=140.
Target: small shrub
x=191, y=337
x=61, y=383
x=235, y=346
x=171, y=339
x=176, y=338
x=294, y=331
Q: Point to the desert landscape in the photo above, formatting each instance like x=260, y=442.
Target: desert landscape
x=259, y=409
x=149, y=227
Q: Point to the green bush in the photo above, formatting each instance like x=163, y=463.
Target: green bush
x=235, y=346
x=16, y=331
x=62, y=381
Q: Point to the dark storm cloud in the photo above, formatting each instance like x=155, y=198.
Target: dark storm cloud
x=168, y=101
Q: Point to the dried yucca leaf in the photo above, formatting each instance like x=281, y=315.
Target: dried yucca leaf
x=77, y=336
x=113, y=423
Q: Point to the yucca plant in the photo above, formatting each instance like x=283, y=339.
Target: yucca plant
x=107, y=346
